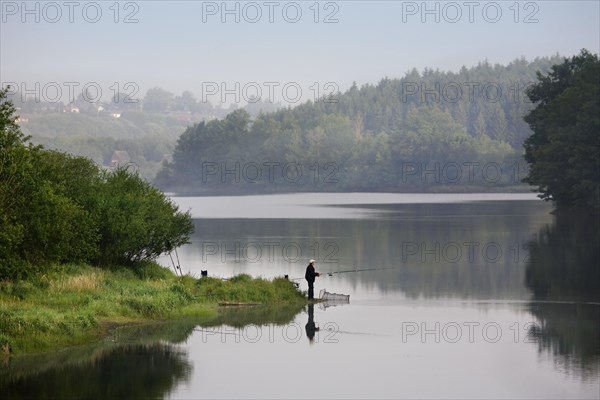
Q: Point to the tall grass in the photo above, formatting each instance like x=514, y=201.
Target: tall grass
x=245, y=289
x=74, y=304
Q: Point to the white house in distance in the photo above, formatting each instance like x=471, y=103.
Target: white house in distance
x=119, y=157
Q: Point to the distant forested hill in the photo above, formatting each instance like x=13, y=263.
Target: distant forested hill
x=429, y=131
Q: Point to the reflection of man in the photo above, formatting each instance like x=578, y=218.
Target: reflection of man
x=310, y=325
x=310, y=278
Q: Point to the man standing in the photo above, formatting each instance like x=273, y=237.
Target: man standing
x=310, y=278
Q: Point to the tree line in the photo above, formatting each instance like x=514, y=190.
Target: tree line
x=429, y=131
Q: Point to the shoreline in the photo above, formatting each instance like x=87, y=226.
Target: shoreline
x=75, y=305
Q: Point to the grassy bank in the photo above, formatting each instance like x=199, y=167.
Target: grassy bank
x=75, y=304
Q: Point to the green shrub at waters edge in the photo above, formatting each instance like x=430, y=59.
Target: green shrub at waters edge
x=58, y=208
x=243, y=289
x=72, y=304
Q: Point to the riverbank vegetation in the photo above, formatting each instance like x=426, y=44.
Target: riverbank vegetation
x=77, y=245
x=564, y=149
x=73, y=304
x=147, y=354
x=58, y=208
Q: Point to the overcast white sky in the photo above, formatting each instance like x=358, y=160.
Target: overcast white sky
x=199, y=46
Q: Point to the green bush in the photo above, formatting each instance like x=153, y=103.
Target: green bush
x=137, y=221
x=57, y=208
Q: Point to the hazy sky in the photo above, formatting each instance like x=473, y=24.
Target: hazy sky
x=199, y=46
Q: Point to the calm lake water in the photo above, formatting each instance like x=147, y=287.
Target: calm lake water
x=451, y=296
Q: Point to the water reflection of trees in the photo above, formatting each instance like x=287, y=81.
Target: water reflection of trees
x=133, y=363
x=383, y=242
x=563, y=275
x=136, y=371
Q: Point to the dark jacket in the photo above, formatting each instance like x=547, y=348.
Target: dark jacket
x=310, y=273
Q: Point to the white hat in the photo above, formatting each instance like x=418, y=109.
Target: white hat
x=312, y=261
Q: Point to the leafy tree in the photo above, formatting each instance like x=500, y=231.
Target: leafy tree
x=57, y=208
x=59, y=221
x=157, y=100
x=564, y=149
x=39, y=220
x=15, y=166
x=137, y=221
x=123, y=101
x=185, y=102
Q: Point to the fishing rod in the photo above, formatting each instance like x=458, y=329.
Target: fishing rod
x=357, y=270
x=331, y=273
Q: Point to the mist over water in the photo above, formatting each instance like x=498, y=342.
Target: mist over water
x=466, y=291
x=389, y=141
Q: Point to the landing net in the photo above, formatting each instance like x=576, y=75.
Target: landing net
x=334, y=297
